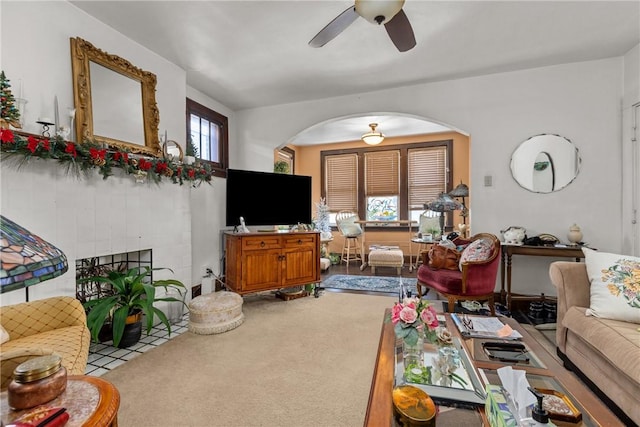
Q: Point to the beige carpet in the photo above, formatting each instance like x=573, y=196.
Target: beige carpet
x=305, y=362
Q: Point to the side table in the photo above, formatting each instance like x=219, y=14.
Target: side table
x=90, y=401
x=548, y=251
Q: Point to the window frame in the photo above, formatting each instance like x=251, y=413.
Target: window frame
x=404, y=175
x=219, y=169
x=291, y=154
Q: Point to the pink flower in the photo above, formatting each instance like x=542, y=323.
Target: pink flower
x=395, y=313
x=408, y=314
x=429, y=317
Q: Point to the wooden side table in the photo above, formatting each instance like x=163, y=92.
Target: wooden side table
x=90, y=401
x=549, y=251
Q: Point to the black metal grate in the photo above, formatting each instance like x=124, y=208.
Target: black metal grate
x=102, y=265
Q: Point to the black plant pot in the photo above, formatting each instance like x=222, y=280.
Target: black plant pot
x=131, y=335
x=106, y=333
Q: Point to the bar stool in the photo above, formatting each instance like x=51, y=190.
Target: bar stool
x=351, y=232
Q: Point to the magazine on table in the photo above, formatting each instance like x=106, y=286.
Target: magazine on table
x=484, y=327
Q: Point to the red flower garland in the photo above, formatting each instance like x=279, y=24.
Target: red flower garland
x=71, y=149
x=6, y=136
x=144, y=165
x=97, y=154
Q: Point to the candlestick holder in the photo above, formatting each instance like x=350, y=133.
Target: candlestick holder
x=45, y=127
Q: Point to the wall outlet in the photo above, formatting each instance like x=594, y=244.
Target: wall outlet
x=206, y=271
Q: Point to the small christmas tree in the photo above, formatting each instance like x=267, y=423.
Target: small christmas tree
x=322, y=216
x=9, y=114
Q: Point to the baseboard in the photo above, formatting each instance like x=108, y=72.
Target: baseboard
x=610, y=403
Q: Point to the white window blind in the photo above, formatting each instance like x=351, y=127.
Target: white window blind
x=341, y=182
x=382, y=173
x=427, y=175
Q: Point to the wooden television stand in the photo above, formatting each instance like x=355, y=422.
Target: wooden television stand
x=263, y=261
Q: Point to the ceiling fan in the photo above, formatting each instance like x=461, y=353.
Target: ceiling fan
x=387, y=12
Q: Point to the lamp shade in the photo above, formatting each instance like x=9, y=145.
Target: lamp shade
x=373, y=137
x=443, y=203
x=26, y=259
x=461, y=190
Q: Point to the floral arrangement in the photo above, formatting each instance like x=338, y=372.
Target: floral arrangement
x=414, y=317
x=624, y=278
x=81, y=158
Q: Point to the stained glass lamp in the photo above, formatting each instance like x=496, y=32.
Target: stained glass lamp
x=444, y=203
x=461, y=191
x=26, y=259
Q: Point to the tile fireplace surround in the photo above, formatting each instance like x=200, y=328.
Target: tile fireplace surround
x=104, y=357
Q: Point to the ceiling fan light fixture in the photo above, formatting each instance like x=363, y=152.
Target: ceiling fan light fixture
x=378, y=11
x=373, y=137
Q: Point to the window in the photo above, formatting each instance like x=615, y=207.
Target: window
x=382, y=184
x=341, y=183
x=209, y=135
x=386, y=182
x=427, y=173
x=285, y=156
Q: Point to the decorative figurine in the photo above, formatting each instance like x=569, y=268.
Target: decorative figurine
x=575, y=235
x=514, y=235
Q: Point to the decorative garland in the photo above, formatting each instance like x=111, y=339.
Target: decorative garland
x=81, y=158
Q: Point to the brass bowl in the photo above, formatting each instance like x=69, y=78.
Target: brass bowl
x=413, y=407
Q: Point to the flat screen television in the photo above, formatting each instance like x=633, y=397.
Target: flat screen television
x=264, y=198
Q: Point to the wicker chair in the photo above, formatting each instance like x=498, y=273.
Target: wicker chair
x=351, y=232
x=476, y=280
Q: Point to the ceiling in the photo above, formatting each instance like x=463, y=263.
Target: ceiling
x=247, y=54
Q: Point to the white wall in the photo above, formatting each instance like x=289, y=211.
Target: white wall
x=90, y=217
x=208, y=208
x=631, y=189
x=579, y=101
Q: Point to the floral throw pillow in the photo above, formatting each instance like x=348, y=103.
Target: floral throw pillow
x=478, y=250
x=615, y=285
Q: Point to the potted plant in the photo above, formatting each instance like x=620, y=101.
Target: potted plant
x=134, y=295
x=190, y=152
x=281, y=167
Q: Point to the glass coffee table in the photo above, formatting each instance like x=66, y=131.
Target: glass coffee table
x=544, y=372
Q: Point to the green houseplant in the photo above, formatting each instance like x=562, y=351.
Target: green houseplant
x=281, y=167
x=134, y=295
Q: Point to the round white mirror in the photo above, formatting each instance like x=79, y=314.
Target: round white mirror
x=172, y=151
x=545, y=163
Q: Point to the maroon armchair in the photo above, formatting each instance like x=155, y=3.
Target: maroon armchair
x=476, y=280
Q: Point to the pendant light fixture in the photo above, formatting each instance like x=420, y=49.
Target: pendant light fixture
x=373, y=137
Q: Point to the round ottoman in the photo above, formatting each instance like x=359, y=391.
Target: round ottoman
x=215, y=313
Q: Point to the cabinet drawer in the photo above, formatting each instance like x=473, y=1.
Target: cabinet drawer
x=266, y=242
x=303, y=240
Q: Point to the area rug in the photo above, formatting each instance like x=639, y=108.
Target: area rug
x=368, y=283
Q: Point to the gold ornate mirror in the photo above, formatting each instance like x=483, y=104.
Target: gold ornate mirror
x=115, y=101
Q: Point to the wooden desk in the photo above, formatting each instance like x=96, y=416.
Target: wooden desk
x=549, y=251
x=90, y=401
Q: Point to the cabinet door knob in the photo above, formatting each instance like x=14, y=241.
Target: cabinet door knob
x=299, y=241
x=262, y=244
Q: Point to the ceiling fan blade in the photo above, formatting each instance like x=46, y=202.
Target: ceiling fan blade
x=400, y=32
x=335, y=27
